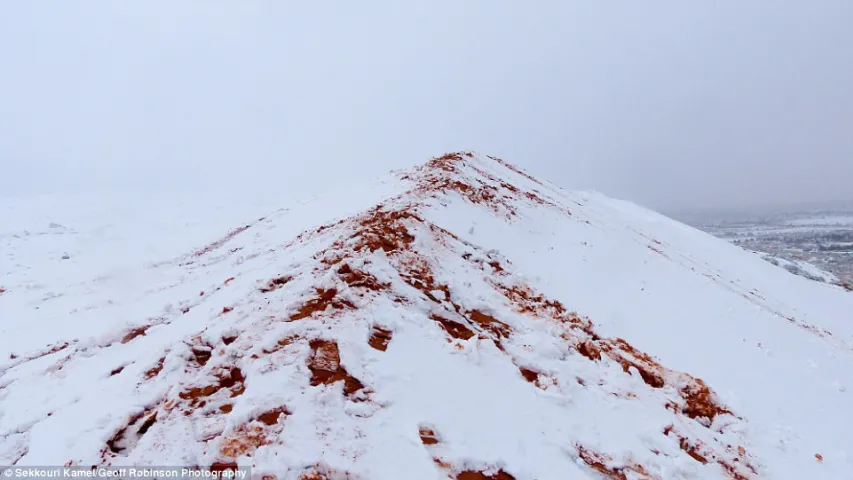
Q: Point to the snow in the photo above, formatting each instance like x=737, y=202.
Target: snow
x=179, y=336
x=801, y=267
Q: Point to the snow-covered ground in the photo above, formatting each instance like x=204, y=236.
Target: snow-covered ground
x=459, y=320
x=800, y=267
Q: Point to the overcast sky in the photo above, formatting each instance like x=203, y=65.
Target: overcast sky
x=672, y=104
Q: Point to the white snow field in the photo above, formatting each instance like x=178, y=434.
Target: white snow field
x=458, y=320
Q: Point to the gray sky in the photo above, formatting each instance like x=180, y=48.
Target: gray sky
x=674, y=105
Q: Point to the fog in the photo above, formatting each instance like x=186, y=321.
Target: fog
x=674, y=105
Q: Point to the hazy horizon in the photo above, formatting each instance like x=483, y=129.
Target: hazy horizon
x=674, y=106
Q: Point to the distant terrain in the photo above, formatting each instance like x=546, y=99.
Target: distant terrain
x=817, y=245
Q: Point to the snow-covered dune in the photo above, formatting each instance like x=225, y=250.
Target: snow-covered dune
x=458, y=320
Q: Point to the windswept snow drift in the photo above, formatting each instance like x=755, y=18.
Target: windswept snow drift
x=460, y=320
